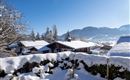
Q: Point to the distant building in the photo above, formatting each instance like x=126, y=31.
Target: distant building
x=78, y=46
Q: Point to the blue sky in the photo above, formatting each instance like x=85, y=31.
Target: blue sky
x=72, y=14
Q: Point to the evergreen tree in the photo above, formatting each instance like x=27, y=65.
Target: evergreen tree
x=37, y=36
x=55, y=36
x=47, y=32
x=32, y=35
x=68, y=36
x=50, y=37
x=42, y=37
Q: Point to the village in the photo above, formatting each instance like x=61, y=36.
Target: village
x=43, y=47
x=88, y=47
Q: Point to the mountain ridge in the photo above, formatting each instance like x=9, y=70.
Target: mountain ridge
x=95, y=33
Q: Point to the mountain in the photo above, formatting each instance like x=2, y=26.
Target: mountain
x=102, y=33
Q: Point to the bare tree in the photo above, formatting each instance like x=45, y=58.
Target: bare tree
x=10, y=25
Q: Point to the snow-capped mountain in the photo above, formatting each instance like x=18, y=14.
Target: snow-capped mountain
x=102, y=33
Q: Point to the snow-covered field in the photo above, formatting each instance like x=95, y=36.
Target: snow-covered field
x=58, y=66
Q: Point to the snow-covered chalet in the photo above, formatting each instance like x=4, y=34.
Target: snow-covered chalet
x=76, y=45
x=25, y=47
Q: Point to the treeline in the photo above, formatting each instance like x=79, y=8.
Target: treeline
x=50, y=35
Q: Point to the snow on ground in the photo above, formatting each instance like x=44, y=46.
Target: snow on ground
x=13, y=63
x=28, y=76
x=91, y=59
x=119, y=79
x=86, y=76
x=10, y=64
x=60, y=75
x=17, y=62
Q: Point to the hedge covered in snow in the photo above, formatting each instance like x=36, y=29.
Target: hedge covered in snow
x=119, y=67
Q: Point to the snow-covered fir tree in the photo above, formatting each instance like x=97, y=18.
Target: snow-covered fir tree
x=42, y=37
x=47, y=32
x=32, y=35
x=55, y=36
x=68, y=37
x=37, y=36
x=49, y=35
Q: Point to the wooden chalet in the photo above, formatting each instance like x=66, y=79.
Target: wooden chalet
x=78, y=46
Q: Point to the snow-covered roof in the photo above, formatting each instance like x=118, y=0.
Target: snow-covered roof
x=77, y=44
x=38, y=44
x=123, y=39
x=121, y=49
